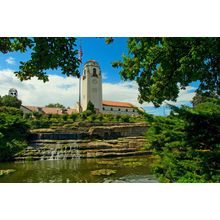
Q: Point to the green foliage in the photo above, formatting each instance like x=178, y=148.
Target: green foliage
x=65, y=117
x=74, y=116
x=37, y=115
x=10, y=101
x=90, y=107
x=13, y=133
x=202, y=97
x=163, y=66
x=38, y=120
x=187, y=144
x=56, y=105
x=10, y=110
x=125, y=118
x=42, y=122
x=46, y=53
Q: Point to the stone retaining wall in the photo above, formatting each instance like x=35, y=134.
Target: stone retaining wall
x=98, y=132
x=99, y=141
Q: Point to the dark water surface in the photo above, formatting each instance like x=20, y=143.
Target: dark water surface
x=127, y=169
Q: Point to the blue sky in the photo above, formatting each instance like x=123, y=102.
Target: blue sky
x=64, y=90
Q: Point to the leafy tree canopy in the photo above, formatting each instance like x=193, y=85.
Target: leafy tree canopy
x=186, y=143
x=10, y=101
x=46, y=53
x=56, y=105
x=13, y=132
x=163, y=66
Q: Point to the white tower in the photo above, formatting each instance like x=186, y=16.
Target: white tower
x=91, y=85
x=13, y=92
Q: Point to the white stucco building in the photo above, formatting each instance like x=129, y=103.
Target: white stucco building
x=92, y=91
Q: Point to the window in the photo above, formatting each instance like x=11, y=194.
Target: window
x=133, y=110
x=111, y=109
x=119, y=109
x=126, y=110
x=94, y=72
x=103, y=108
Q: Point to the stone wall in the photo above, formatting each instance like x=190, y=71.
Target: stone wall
x=128, y=130
x=96, y=132
x=70, y=149
x=126, y=139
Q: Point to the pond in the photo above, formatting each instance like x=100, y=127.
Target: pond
x=104, y=170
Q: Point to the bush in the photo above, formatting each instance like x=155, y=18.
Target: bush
x=74, y=116
x=37, y=115
x=10, y=101
x=65, y=117
x=40, y=123
x=13, y=134
x=187, y=144
x=124, y=118
x=90, y=107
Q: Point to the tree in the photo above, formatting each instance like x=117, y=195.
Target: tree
x=90, y=107
x=186, y=143
x=10, y=101
x=163, y=66
x=203, y=97
x=46, y=53
x=13, y=132
x=56, y=105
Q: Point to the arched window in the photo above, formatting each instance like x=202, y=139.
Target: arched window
x=126, y=110
x=133, y=110
x=94, y=73
x=119, y=109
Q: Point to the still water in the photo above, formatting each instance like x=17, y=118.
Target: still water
x=127, y=170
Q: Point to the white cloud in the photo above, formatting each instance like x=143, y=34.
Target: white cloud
x=184, y=96
x=65, y=90
x=10, y=60
x=122, y=91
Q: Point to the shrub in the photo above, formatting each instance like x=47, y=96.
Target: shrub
x=37, y=115
x=90, y=107
x=42, y=122
x=74, y=116
x=187, y=143
x=14, y=130
x=65, y=117
x=10, y=101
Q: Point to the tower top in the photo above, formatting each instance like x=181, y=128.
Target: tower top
x=13, y=92
x=92, y=63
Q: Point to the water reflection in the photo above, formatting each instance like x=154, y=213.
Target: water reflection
x=129, y=169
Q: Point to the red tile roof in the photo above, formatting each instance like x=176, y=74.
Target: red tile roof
x=32, y=108
x=47, y=110
x=117, y=104
x=71, y=110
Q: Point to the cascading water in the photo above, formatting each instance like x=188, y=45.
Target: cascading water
x=76, y=153
x=53, y=152
x=58, y=152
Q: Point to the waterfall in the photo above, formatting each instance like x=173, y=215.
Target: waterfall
x=75, y=153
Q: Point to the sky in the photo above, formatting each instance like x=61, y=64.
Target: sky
x=64, y=90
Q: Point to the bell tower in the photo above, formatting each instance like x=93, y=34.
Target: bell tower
x=91, y=85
